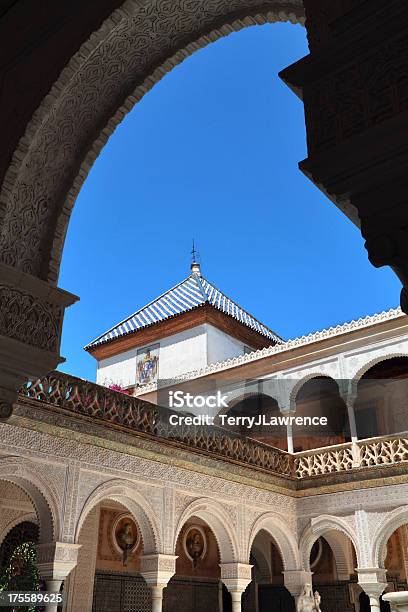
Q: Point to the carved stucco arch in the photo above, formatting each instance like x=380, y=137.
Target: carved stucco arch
x=29, y=516
x=363, y=369
x=284, y=539
x=27, y=476
x=125, y=493
x=337, y=541
x=324, y=526
x=134, y=48
x=219, y=521
x=302, y=381
x=386, y=527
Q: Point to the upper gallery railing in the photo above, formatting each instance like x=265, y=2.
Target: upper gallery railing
x=88, y=399
x=387, y=450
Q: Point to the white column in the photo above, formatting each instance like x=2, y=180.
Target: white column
x=373, y=581
x=236, y=597
x=289, y=429
x=349, y=399
x=352, y=418
x=157, y=597
x=236, y=577
x=157, y=570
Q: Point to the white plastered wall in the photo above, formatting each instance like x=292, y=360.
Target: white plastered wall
x=189, y=350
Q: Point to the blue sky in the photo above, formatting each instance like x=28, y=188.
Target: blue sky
x=211, y=153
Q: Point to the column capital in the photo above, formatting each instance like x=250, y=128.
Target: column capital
x=295, y=580
x=158, y=569
x=236, y=576
x=56, y=560
x=373, y=580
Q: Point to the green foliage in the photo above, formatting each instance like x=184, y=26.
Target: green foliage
x=21, y=573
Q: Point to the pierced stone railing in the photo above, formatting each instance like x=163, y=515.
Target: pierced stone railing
x=383, y=451
x=374, y=452
x=324, y=461
x=104, y=405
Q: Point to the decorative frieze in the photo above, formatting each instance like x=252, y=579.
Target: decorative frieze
x=30, y=319
x=31, y=316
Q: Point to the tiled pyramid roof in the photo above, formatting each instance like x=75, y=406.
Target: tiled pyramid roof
x=191, y=293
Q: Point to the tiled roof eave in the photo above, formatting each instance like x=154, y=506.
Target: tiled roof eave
x=96, y=344
x=194, y=292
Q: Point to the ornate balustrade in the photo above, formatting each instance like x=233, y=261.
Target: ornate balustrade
x=138, y=416
x=373, y=452
x=87, y=399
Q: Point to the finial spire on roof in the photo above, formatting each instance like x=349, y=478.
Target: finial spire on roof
x=195, y=266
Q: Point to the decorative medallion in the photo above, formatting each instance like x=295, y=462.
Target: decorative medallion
x=125, y=536
x=195, y=544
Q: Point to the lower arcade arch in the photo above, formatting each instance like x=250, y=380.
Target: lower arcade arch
x=218, y=519
x=124, y=494
x=267, y=589
x=107, y=575
x=35, y=494
x=196, y=584
x=390, y=553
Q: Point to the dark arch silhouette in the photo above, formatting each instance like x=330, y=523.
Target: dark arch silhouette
x=380, y=403
x=320, y=396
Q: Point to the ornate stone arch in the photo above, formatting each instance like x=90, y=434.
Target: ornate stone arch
x=26, y=476
x=282, y=536
x=126, y=494
x=218, y=519
x=363, y=369
x=133, y=49
x=28, y=516
x=386, y=527
x=305, y=379
x=325, y=526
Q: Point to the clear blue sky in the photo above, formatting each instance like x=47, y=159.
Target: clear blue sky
x=211, y=153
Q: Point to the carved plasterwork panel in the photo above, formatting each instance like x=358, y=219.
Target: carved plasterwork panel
x=30, y=319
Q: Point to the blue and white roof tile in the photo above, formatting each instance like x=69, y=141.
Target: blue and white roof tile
x=193, y=292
